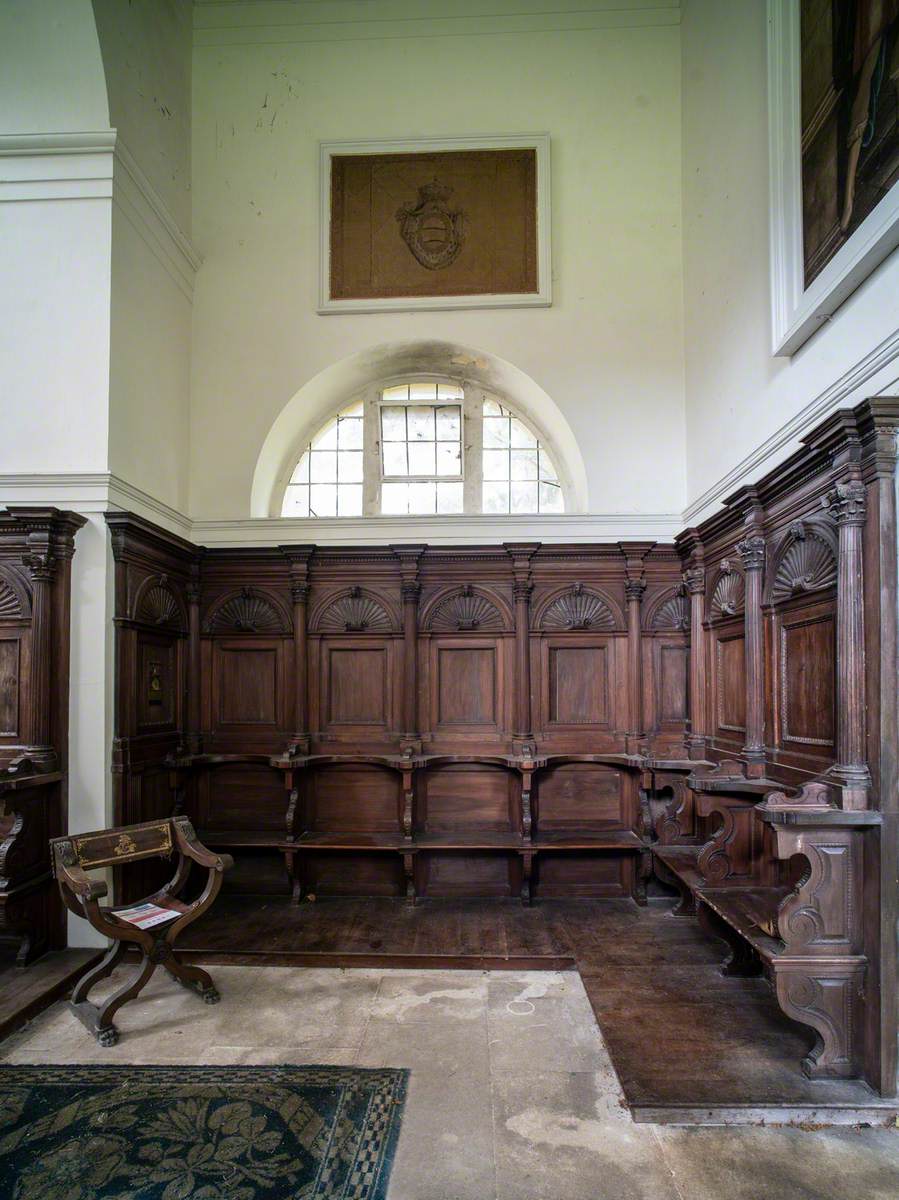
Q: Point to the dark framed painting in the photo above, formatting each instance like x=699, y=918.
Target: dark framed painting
x=435, y=224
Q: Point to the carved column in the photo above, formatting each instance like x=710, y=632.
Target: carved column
x=410, y=587
x=522, y=586
x=194, y=740
x=694, y=580
x=752, y=552
x=41, y=565
x=633, y=590
x=299, y=557
x=847, y=504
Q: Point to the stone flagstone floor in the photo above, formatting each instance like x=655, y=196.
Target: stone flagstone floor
x=512, y=1094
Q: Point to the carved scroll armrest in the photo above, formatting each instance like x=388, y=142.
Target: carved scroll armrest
x=67, y=870
x=190, y=846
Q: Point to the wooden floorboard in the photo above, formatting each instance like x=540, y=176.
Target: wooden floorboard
x=689, y=1044
x=25, y=992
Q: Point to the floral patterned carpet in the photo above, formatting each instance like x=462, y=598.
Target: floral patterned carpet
x=204, y=1133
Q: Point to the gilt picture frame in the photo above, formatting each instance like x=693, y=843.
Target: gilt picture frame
x=435, y=223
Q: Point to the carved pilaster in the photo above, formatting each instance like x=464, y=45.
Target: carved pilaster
x=410, y=588
x=847, y=505
x=41, y=564
x=194, y=740
x=694, y=581
x=299, y=558
x=752, y=553
x=522, y=587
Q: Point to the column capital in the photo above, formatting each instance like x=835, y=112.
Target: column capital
x=752, y=552
x=522, y=588
x=694, y=580
x=299, y=591
x=634, y=589
x=41, y=565
x=847, y=502
x=410, y=589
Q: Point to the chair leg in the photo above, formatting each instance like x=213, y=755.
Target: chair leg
x=195, y=978
x=104, y=967
x=98, y=1018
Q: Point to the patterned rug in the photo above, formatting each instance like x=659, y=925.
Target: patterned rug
x=198, y=1133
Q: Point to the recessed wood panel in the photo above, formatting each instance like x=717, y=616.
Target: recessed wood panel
x=578, y=685
x=356, y=686
x=466, y=685
x=354, y=798
x=344, y=874
x=583, y=875
x=672, y=683
x=460, y=797
x=581, y=796
x=242, y=797
x=157, y=683
x=730, y=682
x=808, y=679
x=248, y=685
x=466, y=873
x=9, y=687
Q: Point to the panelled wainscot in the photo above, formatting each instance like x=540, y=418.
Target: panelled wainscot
x=537, y=721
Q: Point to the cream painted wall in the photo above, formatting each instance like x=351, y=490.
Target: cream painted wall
x=609, y=352
x=745, y=409
x=146, y=51
x=146, y=48
x=50, y=74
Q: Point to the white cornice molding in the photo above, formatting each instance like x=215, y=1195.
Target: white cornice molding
x=754, y=464
x=437, y=531
x=56, y=166
x=249, y=22
x=89, y=491
x=145, y=210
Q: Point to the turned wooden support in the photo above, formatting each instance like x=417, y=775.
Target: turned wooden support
x=522, y=586
x=752, y=553
x=694, y=580
x=194, y=740
x=847, y=504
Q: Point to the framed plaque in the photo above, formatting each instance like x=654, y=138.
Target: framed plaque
x=439, y=223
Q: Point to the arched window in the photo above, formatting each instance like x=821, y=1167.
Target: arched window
x=424, y=447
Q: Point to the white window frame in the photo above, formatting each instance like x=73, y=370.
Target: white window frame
x=435, y=404
x=542, y=298
x=798, y=311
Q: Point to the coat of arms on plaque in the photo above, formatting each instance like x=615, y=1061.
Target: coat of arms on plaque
x=431, y=229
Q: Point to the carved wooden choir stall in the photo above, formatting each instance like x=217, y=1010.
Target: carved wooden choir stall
x=36, y=547
x=538, y=721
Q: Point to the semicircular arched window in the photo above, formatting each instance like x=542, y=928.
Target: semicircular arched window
x=424, y=448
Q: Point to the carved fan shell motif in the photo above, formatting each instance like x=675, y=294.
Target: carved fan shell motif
x=246, y=613
x=355, y=613
x=729, y=595
x=158, y=606
x=10, y=604
x=674, y=613
x=466, y=611
x=578, y=609
x=808, y=565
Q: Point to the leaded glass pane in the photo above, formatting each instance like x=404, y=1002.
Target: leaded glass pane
x=323, y=467
x=421, y=458
x=449, y=498
x=496, y=497
x=349, y=500
x=323, y=500
x=393, y=424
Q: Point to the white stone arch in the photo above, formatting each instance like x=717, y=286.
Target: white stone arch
x=334, y=387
